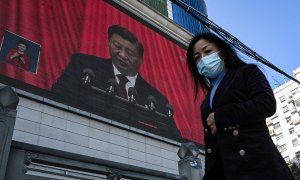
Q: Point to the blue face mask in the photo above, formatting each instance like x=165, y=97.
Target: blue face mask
x=210, y=66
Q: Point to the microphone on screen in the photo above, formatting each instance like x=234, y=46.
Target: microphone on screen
x=151, y=103
x=112, y=87
x=87, y=77
x=132, y=94
x=170, y=110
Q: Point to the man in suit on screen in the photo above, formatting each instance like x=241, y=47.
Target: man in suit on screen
x=126, y=53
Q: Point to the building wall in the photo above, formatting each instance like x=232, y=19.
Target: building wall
x=159, y=5
x=180, y=16
x=184, y=19
x=284, y=125
x=47, y=126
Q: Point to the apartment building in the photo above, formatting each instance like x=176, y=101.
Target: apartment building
x=284, y=125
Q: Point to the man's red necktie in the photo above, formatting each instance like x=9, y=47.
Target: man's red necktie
x=121, y=88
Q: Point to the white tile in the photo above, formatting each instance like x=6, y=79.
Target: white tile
x=99, y=145
x=118, y=150
x=118, y=131
x=153, y=150
x=137, y=155
x=118, y=140
x=29, y=114
x=170, y=147
x=54, y=121
x=51, y=132
x=170, y=164
x=30, y=104
x=118, y=159
x=77, y=128
x=78, y=119
x=51, y=143
x=132, y=144
x=153, y=159
x=153, y=142
x=27, y=126
x=77, y=139
x=55, y=112
x=98, y=134
x=98, y=154
x=99, y=125
x=76, y=149
x=25, y=137
x=169, y=155
x=136, y=163
x=136, y=137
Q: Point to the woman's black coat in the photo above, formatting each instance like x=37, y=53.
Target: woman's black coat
x=242, y=144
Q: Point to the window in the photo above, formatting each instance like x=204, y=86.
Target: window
x=282, y=98
x=287, y=159
x=292, y=130
x=276, y=125
x=274, y=116
x=269, y=122
x=295, y=91
x=288, y=119
x=298, y=156
x=279, y=136
x=285, y=109
x=295, y=142
x=297, y=102
x=282, y=148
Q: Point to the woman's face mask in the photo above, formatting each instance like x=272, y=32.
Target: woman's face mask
x=210, y=66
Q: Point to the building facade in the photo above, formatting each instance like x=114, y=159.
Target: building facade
x=284, y=125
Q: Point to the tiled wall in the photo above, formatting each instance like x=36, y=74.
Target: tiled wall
x=46, y=126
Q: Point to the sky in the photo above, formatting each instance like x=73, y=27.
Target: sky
x=270, y=28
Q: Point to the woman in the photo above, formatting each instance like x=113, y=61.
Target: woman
x=238, y=100
x=19, y=57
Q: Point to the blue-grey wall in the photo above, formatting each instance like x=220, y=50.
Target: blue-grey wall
x=184, y=19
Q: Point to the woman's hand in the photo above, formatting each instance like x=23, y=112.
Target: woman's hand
x=212, y=123
x=16, y=54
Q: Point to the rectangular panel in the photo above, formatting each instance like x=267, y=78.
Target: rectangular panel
x=76, y=48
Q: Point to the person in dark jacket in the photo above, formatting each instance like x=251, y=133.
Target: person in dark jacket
x=238, y=101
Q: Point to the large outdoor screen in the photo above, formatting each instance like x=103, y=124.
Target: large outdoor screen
x=95, y=57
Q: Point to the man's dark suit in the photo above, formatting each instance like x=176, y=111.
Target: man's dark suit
x=242, y=144
x=69, y=83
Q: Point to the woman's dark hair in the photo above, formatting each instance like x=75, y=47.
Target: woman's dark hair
x=22, y=42
x=229, y=55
